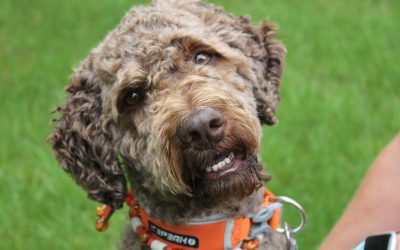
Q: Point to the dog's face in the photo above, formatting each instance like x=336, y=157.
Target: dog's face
x=179, y=90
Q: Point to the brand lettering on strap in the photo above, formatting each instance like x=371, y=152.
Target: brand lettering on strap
x=179, y=239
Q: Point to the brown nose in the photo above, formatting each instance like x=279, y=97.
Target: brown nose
x=202, y=129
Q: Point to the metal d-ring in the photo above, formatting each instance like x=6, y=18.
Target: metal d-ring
x=287, y=229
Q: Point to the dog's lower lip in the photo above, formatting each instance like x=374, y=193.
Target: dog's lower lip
x=229, y=169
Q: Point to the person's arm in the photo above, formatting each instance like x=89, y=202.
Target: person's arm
x=375, y=207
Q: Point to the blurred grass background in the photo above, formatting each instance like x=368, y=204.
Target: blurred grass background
x=340, y=106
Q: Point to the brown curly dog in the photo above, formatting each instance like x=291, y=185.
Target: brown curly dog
x=173, y=100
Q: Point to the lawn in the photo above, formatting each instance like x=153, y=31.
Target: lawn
x=340, y=105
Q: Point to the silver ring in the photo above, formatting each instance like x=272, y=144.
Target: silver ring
x=284, y=199
x=287, y=229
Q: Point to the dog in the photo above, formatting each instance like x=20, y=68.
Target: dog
x=172, y=101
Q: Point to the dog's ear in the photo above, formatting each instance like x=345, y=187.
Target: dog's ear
x=82, y=141
x=267, y=93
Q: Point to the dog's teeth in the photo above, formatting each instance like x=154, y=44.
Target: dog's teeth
x=221, y=164
x=227, y=160
x=215, y=168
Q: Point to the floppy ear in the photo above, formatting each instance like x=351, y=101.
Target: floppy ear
x=82, y=141
x=267, y=94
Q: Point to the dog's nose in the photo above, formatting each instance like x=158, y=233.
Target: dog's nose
x=202, y=129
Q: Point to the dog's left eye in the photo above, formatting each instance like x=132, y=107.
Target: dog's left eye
x=203, y=58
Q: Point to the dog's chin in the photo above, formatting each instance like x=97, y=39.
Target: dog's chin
x=228, y=180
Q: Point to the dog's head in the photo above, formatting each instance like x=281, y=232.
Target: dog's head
x=178, y=91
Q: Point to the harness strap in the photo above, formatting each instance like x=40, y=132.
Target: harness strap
x=233, y=233
x=261, y=219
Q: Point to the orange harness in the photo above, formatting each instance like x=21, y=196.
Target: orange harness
x=236, y=233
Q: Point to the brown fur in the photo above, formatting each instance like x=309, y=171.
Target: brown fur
x=152, y=52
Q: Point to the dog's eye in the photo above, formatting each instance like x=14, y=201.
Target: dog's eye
x=202, y=58
x=131, y=98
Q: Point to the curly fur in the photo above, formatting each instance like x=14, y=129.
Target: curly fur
x=151, y=52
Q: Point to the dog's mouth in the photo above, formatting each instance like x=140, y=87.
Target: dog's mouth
x=224, y=166
x=220, y=177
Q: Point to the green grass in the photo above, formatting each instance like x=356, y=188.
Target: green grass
x=340, y=101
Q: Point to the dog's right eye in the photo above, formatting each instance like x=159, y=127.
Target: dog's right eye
x=129, y=100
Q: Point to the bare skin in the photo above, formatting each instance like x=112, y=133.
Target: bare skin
x=375, y=207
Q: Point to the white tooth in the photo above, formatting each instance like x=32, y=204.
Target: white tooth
x=227, y=160
x=231, y=156
x=208, y=169
x=215, y=168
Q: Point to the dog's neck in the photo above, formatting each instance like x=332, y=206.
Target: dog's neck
x=173, y=212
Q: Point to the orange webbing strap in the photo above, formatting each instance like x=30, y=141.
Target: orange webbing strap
x=226, y=234
x=241, y=230
x=204, y=237
x=275, y=221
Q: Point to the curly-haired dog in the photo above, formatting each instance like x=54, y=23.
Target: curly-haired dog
x=176, y=94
